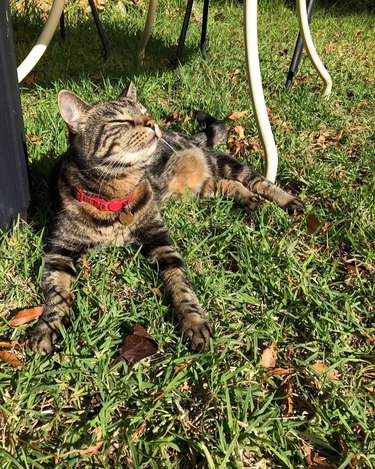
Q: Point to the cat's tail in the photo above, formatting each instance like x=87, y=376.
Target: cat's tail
x=213, y=133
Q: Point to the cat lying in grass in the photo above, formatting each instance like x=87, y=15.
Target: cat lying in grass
x=118, y=170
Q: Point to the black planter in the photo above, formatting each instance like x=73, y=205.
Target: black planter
x=14, y=182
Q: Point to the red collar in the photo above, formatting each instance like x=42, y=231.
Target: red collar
x=103, y=205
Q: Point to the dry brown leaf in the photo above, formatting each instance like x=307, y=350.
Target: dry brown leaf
x=7, y=344
x=353, y=463
x=289, y=396
x=93, y=449
x=139, y=432
x=279, y=372
x=11, y=359
x=26, y=315
x=237, y=115
x=314, y=460
x=13, y=344
x=137, y=346
x=156, y=291
x=239, y=131
x=313, y=223
x=86, y=267
x=322, y=370
x=269, y=356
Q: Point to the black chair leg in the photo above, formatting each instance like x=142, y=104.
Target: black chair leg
x=297, y=54
x=62, y=26
x=204, y=29
x=99, y=27
x=181, y=41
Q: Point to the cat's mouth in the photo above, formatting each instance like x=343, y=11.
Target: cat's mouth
x=157, y=130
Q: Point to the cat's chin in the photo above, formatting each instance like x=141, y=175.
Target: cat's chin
x=143, y=155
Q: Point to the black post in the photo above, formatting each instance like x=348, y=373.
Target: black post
x=14, y=182
x=204, y=29
x=100, y=30
x=181, y=41
x=298, y=49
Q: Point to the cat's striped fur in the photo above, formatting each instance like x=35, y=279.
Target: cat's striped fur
x=116, y=148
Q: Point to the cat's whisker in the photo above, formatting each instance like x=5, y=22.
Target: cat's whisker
x=166, y=143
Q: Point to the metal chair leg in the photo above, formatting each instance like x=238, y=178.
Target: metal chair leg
x=43, y=40
x=256, y=89
x=310, y=48
x=181, y=41
x=147, y=30
x=297, y=54
x=62, y=26
x=204, y=29
x=99, y=27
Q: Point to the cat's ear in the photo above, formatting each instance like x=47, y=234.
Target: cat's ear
x=130, y=92
x=72, y=109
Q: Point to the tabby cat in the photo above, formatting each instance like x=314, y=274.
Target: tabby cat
x=118, y=170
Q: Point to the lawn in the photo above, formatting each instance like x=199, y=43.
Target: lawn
x=270, y=282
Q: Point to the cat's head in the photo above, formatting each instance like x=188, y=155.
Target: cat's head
x=115, y=133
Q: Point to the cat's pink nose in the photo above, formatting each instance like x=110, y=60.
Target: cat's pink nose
x=151, y=123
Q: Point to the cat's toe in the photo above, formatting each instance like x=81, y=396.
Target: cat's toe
x=196, y=330
x=42, y=339
x=294, y=205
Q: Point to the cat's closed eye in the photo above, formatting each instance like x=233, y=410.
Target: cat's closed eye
x=122, y=121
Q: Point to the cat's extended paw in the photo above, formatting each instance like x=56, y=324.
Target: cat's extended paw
x=196, y=330
x=294, y=204
x=42, y=338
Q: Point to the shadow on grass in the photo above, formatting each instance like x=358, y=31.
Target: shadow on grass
x=81, y=50
x=340, y=8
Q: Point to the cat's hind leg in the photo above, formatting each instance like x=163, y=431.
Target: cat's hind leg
x=226, y=167
x=232, y=190
x=272, y=192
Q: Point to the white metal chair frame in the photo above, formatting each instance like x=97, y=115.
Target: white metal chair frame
x=252, y=62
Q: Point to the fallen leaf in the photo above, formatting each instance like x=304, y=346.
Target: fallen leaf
x=314, y=460
x=13, y=344
x=279, y=372
x=11, y=359
x=269, y=356
x=239, y=131
x=92, y=449
x=353, y=463
x=255, y=144
x=86, y=267
x=35, y=139
x=6, y=344
x=289, y=396
x=26, y=315
x=156, y=291
x=139, y=432
x=313, y=223
x=322, y=370
x=137, y=346
x=237, y=115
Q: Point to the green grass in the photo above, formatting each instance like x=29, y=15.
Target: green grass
x=260, y=279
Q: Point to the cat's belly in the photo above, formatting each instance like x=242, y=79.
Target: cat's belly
x=190, y=170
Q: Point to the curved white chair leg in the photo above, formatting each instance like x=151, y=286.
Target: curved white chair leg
x=148, y=27
x=256, y=90
x=44, y=39
x=310, y=48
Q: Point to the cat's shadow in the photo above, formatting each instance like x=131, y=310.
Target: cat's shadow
x=82, y=46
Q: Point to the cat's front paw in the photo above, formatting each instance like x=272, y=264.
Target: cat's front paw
x=196, y=330
x=42, y=338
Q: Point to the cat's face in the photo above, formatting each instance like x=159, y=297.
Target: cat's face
x=114, y=133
